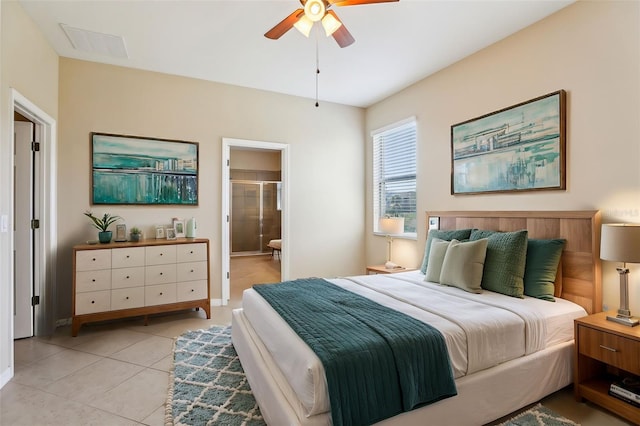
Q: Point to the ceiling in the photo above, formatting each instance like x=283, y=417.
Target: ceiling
x=397, y=44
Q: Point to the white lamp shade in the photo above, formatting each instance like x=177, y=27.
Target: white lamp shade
x=304, y=25
x=314, y=10
x=391, y=225
x=620, y=243
x=330, y=24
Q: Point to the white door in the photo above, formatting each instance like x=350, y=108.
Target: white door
x=23, y=234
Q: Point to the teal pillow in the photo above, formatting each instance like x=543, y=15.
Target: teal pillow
x=463, y=265
x=436, y=258
x=505, y=261
x=457, y=234
x=543, y=258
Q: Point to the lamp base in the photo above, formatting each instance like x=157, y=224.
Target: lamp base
x=628, y=321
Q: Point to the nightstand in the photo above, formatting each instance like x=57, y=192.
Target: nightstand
x=605, y=351
x=380, y=269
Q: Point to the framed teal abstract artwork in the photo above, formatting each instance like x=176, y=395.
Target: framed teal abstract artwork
x=519, y=148
x=139, y=170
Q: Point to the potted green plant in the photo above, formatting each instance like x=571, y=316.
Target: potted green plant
x=135, y=234
x=102, y=224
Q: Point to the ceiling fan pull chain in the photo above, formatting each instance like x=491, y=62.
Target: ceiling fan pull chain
x=317, y=69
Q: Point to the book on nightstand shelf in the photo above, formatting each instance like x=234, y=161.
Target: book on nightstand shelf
x=627, y=389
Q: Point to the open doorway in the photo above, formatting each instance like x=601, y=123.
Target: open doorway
x=254, y=215
x=34, y=206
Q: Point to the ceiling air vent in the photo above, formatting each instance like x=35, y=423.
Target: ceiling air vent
x=93, y=42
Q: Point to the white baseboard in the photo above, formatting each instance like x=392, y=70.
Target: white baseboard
x=6, y=376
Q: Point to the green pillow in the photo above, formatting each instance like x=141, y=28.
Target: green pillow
x=436, y=258
x=457, y=234
x=464, y=264
x=543, y=257
x=505, y=261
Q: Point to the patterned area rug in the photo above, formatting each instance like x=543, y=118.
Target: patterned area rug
x=208, y=387
x=539, y=416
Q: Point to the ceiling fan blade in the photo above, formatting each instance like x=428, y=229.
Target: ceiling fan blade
x=342, y=36
x=357, y=2
x=285, y=25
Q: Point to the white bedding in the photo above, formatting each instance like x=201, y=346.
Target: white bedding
x=481, y=330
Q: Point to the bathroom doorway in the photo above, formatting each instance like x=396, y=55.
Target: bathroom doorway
x=255, y=200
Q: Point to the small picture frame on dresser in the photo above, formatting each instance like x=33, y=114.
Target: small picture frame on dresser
x=121, y=233
x=159, y=232
x=178, y=226
x=171, y=234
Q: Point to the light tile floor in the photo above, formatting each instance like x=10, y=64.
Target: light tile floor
x=117, y=373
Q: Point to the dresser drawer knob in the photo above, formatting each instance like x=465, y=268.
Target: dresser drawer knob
x=192, y=270
x=94, y=259
x=608, y=348
x=127, y=297
x=191, y=252
x=160, y=293
x=160, y=254
x=93, y=301
x=127, y=276
x=127, y=256
x=192, y=290
x=93, y=280
x=160, y=273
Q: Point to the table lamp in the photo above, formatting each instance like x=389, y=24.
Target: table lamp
x=621, y=243
x=391, y=226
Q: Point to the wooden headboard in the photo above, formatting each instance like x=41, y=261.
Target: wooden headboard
x=579, y=273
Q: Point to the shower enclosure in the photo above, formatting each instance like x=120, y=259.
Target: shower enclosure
x=255, y=216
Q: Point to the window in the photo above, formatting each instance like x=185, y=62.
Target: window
x=394, y=173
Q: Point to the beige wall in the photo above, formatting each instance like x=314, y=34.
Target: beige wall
x=243, y=159
x=326, y=173
x=30, y=66
x=589, y=49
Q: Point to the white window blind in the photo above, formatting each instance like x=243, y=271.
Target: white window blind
x=394, y=173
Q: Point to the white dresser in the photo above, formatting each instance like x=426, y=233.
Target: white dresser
x=119, y=280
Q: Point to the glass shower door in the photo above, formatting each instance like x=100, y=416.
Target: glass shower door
x=246, y=217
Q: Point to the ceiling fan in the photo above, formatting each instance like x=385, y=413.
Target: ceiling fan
x=313, y=11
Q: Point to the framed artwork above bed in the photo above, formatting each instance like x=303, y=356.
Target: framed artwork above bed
x=519, y=148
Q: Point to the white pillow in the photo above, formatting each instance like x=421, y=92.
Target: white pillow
x=463, y=265
x=436, y=257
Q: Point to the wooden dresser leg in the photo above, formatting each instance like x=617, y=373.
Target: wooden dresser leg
x=75, y=327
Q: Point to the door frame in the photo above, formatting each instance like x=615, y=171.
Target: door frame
x=227, y=144
x=46, y=240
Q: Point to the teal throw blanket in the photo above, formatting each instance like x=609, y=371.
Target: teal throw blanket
x=378, y=362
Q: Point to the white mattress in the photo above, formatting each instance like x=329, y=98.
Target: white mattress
x=481, y=330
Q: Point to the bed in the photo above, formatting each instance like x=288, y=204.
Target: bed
x=530, y=356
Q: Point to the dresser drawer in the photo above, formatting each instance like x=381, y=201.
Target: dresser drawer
x=192, y=252
x=91, y=260
x=127, y=257
x=191, y=271
x=127, y=277
x=609, y=348
x=159, y=294
x=160, y=255
x=192, y=290
x=94, y=301
x=125, y=298
x=93, y=280
x=160, y=274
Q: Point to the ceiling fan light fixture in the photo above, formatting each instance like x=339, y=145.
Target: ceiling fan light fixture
x=304, y=25
x=314, y=10
x=330, y=24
